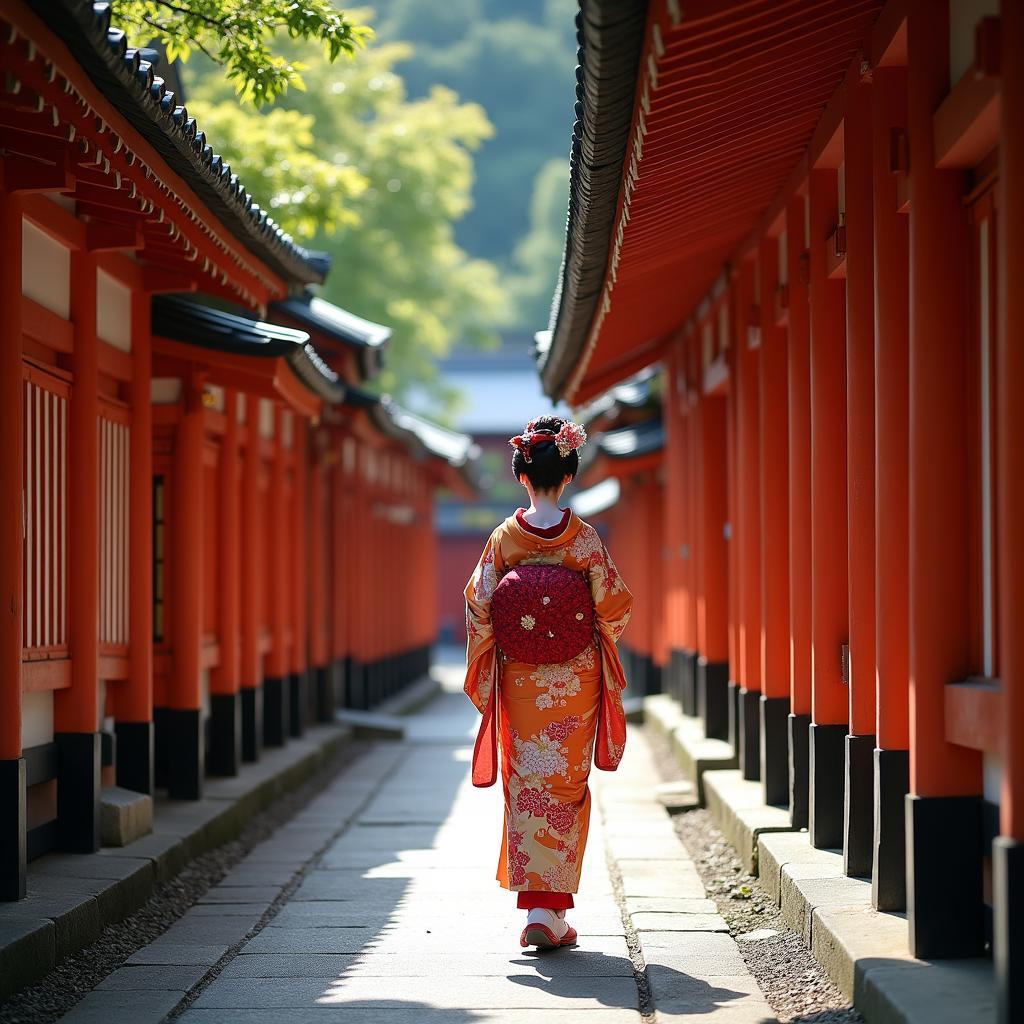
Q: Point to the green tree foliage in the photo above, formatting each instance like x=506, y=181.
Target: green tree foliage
x=538, y=255
x=516, y=60
x=404, y=173
x=241, y=35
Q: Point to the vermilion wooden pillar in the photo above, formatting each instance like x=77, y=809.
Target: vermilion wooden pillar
x=799, y=478
x=318, y=561
x=340, y=569
x=858, y=830
x=687, y=556
x=713, y=556
x=828, y=523
x=749, y=524
x=133, y=700
x=773, y=433
x=225, y=681
x=892, y=399
x=732, y=531
x=75, y=710
x=12, y=764
x=181, y=723
x=944, y=808
x=253, y=579
x=276, y=703
x=298, y=537
x=1008, y=851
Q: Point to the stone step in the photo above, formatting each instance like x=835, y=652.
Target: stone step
x=124, y=816
x=739, y=811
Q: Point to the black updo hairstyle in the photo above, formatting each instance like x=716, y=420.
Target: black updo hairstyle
x=546, y=469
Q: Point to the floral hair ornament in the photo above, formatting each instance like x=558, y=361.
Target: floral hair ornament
x=570, y=438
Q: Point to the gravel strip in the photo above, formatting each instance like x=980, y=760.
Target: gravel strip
x=793, y=982
x=80, y=973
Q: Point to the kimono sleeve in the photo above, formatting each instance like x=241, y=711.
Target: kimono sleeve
x=613, y=603
x=481, y=653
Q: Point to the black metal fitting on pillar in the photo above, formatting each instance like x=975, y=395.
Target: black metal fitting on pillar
x=827, y=761
x=799, y=770
x=774, y=723
x=889, y=859
x=749, y=745
x=13, y=855
x=1008, y=922
x=298, y=702
x=134, y=767
x=712, y=684
x=276, y=711
x=859, y=806
x=252, y=723
x=225, y=756
x=945, y=844
x=79, y=762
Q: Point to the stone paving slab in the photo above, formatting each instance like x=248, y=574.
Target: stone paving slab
x=410, y=1013
x=106, y=1007
x=467, y=993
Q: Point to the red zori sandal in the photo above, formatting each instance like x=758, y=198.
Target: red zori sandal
x=546, y=930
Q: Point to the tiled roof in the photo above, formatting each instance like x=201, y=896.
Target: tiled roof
x=636, y=439
x=129, y=82
x=316, y=313
x=195, y=324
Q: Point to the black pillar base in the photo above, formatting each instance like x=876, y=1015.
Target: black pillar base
x=799, y=769
x=323, y=686
x=341, y=671
x=889, y=861
x=713, y=697
x=654, y=674
x=276, y=707
x=774, y=722
x=749, y=750
x=945, y=853
x=859, y=806
x=79, y=761
x=251, y=698
x=298, y=702
x=180, y=752
x=13, y=826
x=1008, y=939
x=734, y=716
x=688, y=682
x=225, y=757
x=357, y=696
x=828, y=770
x=134, y=767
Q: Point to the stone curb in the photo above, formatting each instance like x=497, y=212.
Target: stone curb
x=386, y=721
x=73, y=897
x=695, y=753
x=735, y=803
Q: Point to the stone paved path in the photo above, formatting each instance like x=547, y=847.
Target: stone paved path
x=377, y=903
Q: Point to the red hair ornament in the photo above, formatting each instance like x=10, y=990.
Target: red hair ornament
x=570, y=438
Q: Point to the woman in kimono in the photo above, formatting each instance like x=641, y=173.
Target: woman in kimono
x=553, y=720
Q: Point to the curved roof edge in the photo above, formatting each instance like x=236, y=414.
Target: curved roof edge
x=130, y=84
x=636, y=439
x=610, y=34
x=195, y=324
x=597, y=499
x=368, y=337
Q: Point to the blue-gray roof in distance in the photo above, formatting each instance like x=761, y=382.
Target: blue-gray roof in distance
x=636, y=439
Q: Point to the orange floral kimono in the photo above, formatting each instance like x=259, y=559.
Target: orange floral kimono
x=552, y=720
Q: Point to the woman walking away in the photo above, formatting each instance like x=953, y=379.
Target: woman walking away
x=544, y=609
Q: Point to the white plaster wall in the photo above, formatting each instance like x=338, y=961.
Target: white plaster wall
x=165, y=390
x=266, y=418
x=113, y=312
x=964, y=15
x=46, y=270
x=36, y=718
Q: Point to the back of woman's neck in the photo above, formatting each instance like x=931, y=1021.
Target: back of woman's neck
x=544, y=512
